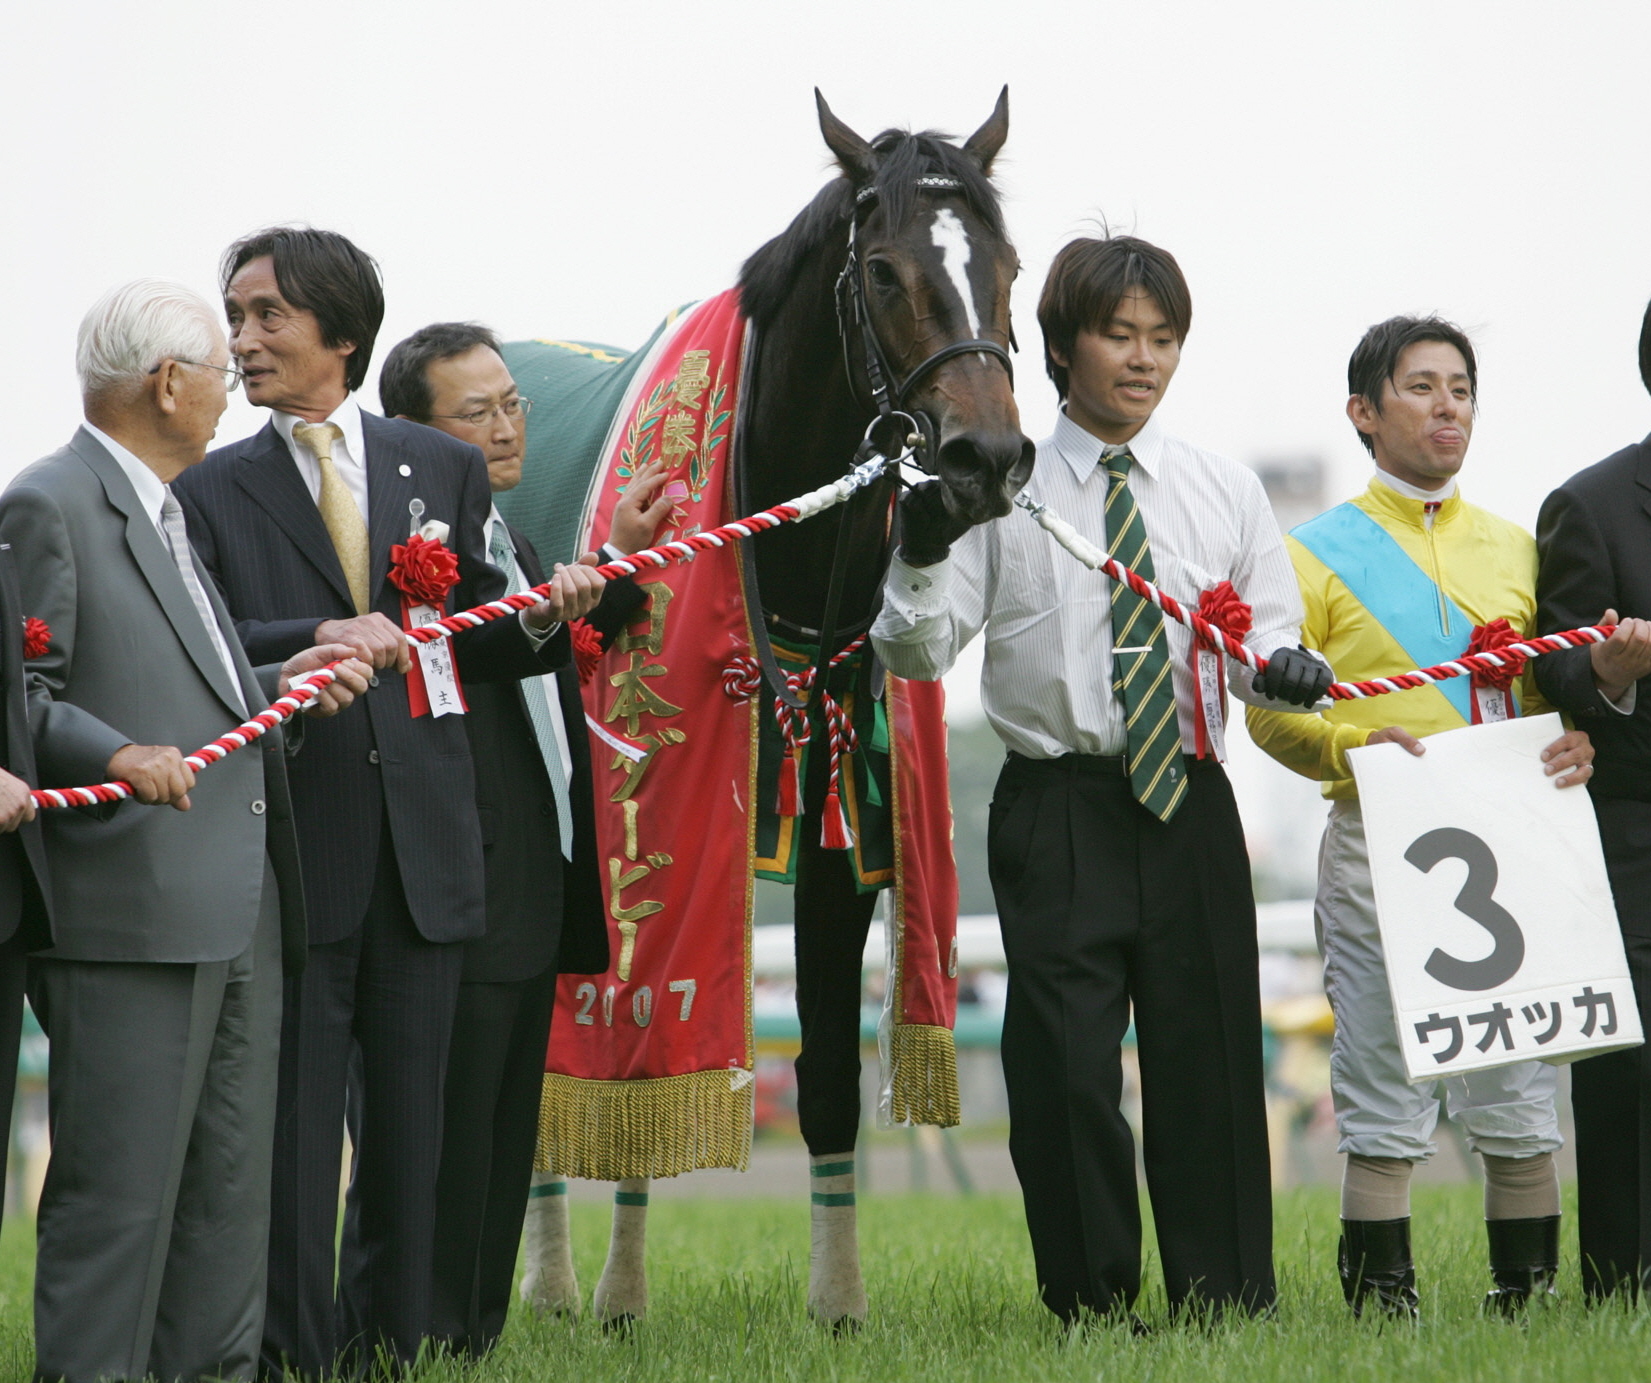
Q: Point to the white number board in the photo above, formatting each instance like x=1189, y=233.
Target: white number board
x=1496, y=917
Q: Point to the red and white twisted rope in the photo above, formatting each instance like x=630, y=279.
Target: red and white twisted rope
x=306, y=688
x=303, y=690
x=1469, y=663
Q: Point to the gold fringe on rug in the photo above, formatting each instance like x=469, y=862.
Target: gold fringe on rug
x=923, y=1084
x=607, y=1129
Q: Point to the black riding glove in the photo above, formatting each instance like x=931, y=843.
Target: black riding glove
x=1293, y=675
x=927, y=529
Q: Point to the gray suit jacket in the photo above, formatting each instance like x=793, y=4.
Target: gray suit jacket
x=131, y=663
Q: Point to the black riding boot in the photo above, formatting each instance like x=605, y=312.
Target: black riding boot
x=1374, y=1260
x=1524, y=1256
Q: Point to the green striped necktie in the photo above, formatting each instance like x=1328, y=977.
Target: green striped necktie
x=1141, y=680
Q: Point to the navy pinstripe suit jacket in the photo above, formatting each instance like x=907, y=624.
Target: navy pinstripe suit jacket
x=259, y=533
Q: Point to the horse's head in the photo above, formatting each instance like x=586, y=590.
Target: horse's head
x=924, y=301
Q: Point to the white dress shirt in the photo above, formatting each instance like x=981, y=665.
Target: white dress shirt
x=151, y=491
x=1046, y=684
x=349, y=455
x=553, y=697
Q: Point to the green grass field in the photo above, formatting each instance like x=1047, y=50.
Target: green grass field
x=951, y=1289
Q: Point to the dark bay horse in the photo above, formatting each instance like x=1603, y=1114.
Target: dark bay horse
x=887, y=296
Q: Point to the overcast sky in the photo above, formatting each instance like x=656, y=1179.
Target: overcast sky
x=574, y=171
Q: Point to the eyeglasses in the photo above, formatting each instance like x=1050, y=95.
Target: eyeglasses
x=511, y=408
x=230, y=385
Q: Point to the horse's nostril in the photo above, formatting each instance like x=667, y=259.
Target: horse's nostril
x=982, y=471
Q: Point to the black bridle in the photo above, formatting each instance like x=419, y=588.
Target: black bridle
x=897, y=433
x=888, y=394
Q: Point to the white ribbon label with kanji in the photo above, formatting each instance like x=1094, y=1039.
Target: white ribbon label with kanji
x=1496, y=917
x=435, y=660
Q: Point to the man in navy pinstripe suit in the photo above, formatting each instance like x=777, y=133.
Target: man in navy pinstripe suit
x=545, y=909
x=296, y=524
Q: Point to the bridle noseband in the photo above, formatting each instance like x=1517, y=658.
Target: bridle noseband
x=888, y=394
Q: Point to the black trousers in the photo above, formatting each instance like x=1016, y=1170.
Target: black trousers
x=1105, y=908
x=1611, y=1095
x=388, y=992
x=495, y=1073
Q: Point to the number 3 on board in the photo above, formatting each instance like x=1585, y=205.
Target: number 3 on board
x=1475, y=901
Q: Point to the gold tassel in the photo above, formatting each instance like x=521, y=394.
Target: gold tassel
x=923, y=1089
x=603, y=1130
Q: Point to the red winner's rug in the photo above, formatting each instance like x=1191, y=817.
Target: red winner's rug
x=649, y=1068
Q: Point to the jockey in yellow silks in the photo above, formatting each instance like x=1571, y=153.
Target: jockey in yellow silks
x=1392, y=583
x=1408, y=575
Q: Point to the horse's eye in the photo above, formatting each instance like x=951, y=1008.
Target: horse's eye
x=883, y=274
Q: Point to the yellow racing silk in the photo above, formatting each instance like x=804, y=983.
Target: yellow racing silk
x=1383, y=602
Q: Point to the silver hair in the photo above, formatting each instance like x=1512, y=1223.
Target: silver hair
x=131, y=329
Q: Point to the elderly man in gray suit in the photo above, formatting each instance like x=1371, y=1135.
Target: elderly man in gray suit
x=162, y=991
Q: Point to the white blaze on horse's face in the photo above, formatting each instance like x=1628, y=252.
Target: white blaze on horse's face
x=951, y=237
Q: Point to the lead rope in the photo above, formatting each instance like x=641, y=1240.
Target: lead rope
x=305, y=688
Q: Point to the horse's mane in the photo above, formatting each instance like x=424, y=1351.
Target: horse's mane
x=767, y=276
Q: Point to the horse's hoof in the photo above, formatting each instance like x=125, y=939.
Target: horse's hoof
x=838, y=1323
x=559, y=1310
x=622, y=1324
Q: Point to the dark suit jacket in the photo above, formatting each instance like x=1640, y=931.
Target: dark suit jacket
x=262, y=537
x=1594, y=543
x=130, y=662
x=25, y=890
x=537, y=914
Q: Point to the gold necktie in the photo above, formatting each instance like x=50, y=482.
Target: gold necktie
x=339, y=510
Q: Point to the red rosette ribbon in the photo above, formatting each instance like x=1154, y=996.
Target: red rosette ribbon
x=587, y=649
x=424, y=570
x=1495, y=638
x=37, y=637
x=1493, y=689
x=1222, y=607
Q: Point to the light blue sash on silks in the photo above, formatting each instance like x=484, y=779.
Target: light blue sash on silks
x=1399, y=595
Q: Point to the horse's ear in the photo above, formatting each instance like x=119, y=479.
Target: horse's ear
x=852, y=153
x=983, y=145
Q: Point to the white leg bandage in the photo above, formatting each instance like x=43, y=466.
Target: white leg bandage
x=836, y=1292
x=622, y=1293
x=548, y=1280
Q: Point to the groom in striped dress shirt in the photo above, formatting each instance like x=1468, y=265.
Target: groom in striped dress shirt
x=1117, y=857
x=533, y=792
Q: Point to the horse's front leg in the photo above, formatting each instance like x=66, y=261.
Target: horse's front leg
x=548, y=1281
x=832, y=918
x=622, y=1293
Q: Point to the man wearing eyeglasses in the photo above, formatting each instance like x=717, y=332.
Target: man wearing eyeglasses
x=534, y=797
x=296, y=524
